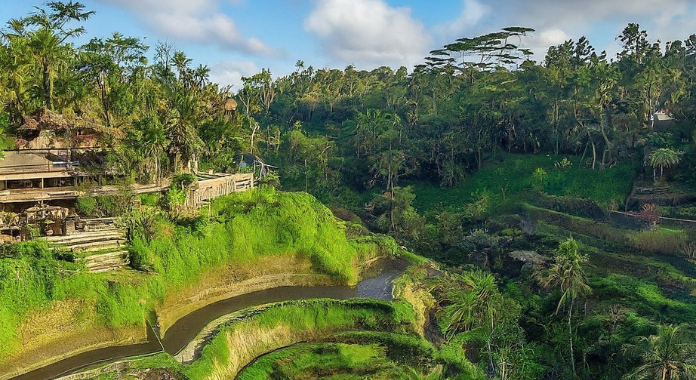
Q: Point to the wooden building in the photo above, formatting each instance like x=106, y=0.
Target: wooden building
x=32, y=177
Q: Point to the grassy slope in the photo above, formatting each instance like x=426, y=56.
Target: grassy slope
x=325, y=338
x=243, y=228
x=289, y=323
x=513, y=178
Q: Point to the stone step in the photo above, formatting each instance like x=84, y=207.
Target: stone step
x=116, y=262
x=100, y=227
x=106, y=256
x=106, y=268
x=111, y=221
x=85, y=237
x=97, y=245
x=106, y=261
x=101, y=224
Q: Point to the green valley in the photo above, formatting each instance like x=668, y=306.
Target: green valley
x=481, y=215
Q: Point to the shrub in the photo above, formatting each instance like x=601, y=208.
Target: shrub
x=149, y=199
x=662, y=241
x=182, y=181
x=86, y=206
x=539, y=177
x=175, y=198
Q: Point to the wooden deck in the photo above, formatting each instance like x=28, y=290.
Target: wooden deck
x=70, y=192
x=209, y=186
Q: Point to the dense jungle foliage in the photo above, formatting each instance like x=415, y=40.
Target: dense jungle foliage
x=504, y=169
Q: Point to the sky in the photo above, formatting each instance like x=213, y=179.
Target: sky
x=236, y=38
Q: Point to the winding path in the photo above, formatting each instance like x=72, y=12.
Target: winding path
x=186, y=328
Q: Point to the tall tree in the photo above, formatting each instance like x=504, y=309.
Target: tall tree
x=663, y=158
x=568, y=275
x=112, y=65
x=669, y=355
x=46, y=31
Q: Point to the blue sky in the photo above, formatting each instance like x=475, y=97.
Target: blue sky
x=239, y=37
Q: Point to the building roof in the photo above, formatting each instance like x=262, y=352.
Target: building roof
x=15, y=159
x=662, y=116
x=19, y=165
x=44, y=119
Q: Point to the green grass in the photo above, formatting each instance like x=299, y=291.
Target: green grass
x=254, y=224
x=662, y=240
x=329, y=361
x=514, y=179
x=240, y=229
x=645, y=297
x=319, y=316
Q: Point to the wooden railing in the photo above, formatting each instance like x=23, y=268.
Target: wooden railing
x=226, y=184
x=207, y=189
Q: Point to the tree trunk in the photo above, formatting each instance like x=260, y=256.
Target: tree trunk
x=253, y=134
x=594, y=152
x=570, y=338
x=555, y=124
x=104, y=99
x=47, y=86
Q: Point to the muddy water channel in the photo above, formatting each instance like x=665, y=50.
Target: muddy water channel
x=376, y=285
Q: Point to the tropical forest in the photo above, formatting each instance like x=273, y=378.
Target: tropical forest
x=486, y=214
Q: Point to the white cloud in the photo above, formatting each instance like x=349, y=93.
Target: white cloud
x=368, y=31
x=599, y=20
x=199, y=21
x=553, y=36
x=568, y=14
x=539, y=41
x=472, y=13
x=231, y=73
x=674, y=23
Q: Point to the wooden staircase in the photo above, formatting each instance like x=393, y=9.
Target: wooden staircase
x=100, y=245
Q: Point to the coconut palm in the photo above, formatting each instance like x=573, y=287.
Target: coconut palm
x=665, y=356
x=663, y=158
x=46, y=31
x=470, y=308
x=153, y=143
x=568, y=275
x=184, y=143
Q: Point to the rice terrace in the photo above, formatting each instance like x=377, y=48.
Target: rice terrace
x=347, y=189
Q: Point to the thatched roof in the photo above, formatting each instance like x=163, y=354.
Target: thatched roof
x=29, y=125
x=85, y=123
x=44, y=119
x=230, y=105
x=47, y=120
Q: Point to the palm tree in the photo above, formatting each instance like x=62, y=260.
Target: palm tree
x=470, y=308
x=46, y=32
x=368, y=126
x=568, y=275
x=48, y=51
x=664, y=356
x=153, y=143
x=664, y=158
